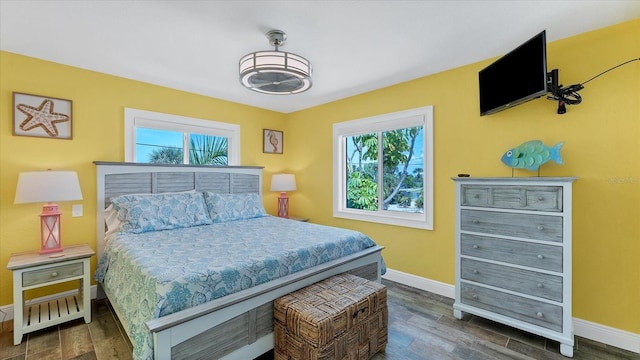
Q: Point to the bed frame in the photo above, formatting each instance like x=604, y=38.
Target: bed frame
x=237, y=326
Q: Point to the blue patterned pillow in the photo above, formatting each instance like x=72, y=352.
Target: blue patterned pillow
x=229, y=207
x=152, y=212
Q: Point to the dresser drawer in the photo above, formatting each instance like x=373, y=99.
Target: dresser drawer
x=528, y=282
x=53, y=273
x=532, y=311
x=528, y=226
x=540, y=198
x=539, y=256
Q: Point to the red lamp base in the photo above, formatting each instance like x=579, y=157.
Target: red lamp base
x=50, y=229
x=283, y=205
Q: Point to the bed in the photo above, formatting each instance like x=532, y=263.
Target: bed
x=173, y=301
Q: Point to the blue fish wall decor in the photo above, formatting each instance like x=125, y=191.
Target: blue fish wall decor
x=531, y=155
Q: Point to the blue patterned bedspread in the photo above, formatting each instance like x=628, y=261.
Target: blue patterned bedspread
x=157, y=273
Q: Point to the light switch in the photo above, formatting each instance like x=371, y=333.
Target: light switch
x=76, y=210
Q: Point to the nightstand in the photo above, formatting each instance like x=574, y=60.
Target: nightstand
x=32, y=270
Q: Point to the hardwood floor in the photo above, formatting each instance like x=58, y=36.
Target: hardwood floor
x=421, y=326
x=101, y=339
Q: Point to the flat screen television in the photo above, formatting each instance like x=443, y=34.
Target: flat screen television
x=517, y=77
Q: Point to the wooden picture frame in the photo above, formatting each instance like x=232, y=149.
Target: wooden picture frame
x=42, y=116
x=272, y=141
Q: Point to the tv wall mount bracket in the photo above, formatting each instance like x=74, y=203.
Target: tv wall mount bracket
x=564, y=96
x=569, y=95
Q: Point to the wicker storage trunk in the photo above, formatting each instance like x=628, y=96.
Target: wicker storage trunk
x=343, y=317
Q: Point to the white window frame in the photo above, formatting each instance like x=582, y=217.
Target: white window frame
x=403, y=119
x=134, y=118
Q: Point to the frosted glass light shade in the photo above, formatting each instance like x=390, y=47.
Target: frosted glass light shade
x=275, y=72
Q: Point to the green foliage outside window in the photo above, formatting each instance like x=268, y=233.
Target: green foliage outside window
x=166, y=155
x=208, y=150
x=399, y=187
x=203, y=150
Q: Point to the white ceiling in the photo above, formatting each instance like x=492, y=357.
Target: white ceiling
x=354, y=46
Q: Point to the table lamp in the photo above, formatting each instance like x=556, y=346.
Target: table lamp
x=283, y=183
x=48, y=186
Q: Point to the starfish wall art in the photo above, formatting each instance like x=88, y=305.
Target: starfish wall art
x=41, y=116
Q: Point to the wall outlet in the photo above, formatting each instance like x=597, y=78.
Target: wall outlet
x=76, y=210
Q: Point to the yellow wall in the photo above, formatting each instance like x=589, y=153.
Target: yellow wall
x=98, y=127
x=601, y=147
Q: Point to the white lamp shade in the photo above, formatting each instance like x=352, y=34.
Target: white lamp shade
x=283, y=182
x=47, y=186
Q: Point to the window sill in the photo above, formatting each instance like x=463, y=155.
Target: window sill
x=417, y=221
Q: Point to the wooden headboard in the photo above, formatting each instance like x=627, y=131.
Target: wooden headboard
x=116, y=178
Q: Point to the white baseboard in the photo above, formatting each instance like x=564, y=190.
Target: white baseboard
x=583, y=328
x=6, y=312
x=421, y=283
x=607, y=335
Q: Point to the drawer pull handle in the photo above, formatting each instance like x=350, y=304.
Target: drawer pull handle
x=539, y=314
x=477, y=196
x=476, y=246
x=476, y=221
x=540, y=227
x=540, y=198
x=540, y=256
x=54, y=274
x=476, y=272
x=475, y=297
x=540, y=285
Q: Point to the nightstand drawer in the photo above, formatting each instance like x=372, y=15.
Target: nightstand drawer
x=539, y=256
x=540, y=198
x=61, y=272
x=537, y=227
x=532, y=311
x=528, y=282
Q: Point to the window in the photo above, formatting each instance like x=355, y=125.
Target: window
x=383, y=169
x=169, y=139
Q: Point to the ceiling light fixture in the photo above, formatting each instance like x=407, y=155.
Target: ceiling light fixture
x=275, y=72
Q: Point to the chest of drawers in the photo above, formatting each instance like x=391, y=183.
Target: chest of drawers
x=513, y=254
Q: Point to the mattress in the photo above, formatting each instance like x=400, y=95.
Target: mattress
x=157, y=273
